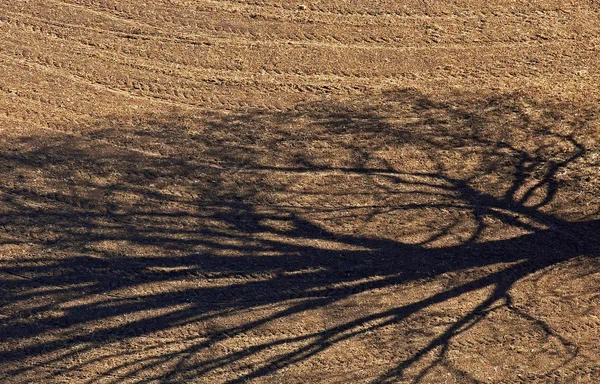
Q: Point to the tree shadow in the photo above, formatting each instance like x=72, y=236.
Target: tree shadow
x=153, y=249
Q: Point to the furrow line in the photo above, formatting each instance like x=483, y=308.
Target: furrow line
x=220, y=35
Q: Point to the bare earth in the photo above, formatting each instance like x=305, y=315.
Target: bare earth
x=272, y=191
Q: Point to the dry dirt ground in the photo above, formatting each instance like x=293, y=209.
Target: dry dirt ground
x=293, y=192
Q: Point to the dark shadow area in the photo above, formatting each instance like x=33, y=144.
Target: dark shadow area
x=198, y=230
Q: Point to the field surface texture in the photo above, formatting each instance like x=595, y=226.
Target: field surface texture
x=343, y=191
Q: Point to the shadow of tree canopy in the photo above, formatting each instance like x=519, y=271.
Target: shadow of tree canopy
x=283, y=246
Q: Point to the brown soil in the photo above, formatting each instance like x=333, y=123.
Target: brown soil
x=291, y=192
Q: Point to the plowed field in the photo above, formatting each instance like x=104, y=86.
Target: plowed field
x=344, y=191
